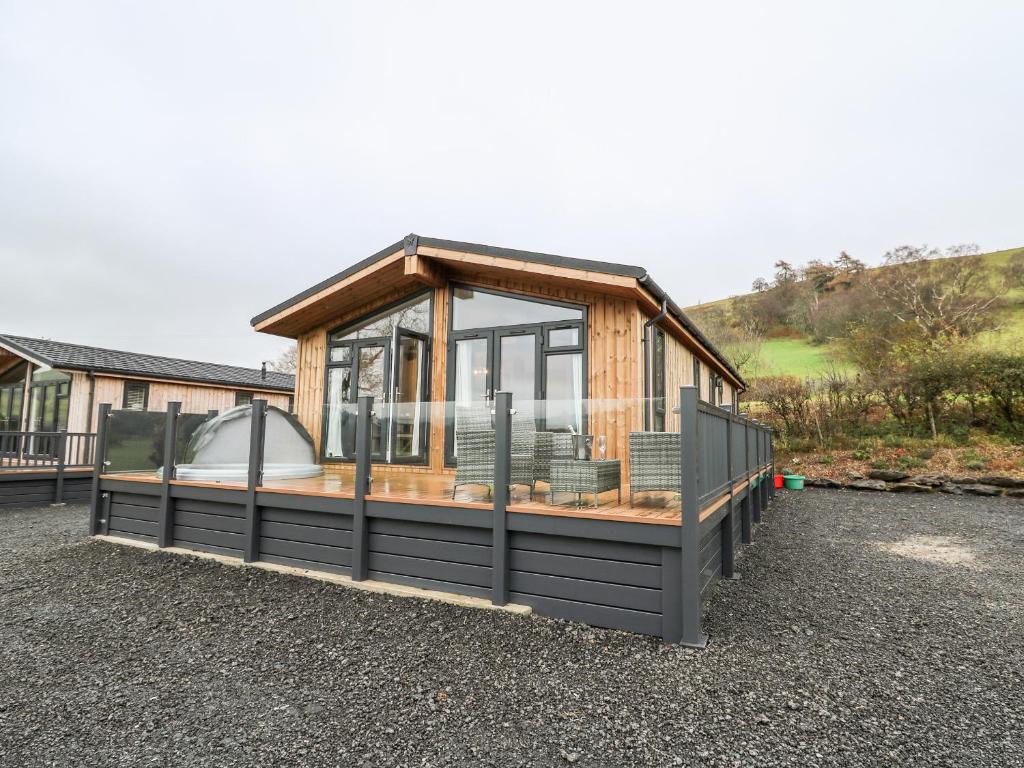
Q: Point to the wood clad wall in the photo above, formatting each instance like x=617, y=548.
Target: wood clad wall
x=194, y=398
x=615, y=367
x=678, y=373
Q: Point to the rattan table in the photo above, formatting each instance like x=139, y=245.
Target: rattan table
x=579, y=477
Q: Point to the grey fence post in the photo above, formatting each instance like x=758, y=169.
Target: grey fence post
x=771, y=463
x=257, y=431
x=360, y=534
x=746, y=522
x=165, y=526
x=756, y=505
x=212, y=413
x=99, y=464
x=692, y=635
x=62, y=446
x=502, y=478
x=728, y=522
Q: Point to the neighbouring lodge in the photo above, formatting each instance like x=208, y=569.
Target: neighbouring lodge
x=50, y=392
x=508, y=425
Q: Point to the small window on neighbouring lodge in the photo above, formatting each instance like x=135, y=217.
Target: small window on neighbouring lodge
x=136, y=395
x=243, y=398
x=696, y=376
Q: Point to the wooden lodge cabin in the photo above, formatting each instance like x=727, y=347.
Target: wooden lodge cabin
x=67, y=382
x=437, y=333
x=435, y=320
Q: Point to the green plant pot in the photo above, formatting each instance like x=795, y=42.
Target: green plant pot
x=793, y=482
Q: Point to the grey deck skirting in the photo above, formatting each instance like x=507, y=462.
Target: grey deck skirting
x=29, y=489
x=604, y=573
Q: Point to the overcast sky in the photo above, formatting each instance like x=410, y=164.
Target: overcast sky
x=169, y=170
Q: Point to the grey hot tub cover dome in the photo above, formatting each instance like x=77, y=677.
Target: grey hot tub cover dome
x=219, y=448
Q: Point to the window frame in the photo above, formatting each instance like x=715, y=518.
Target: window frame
x=240, y=393
x=329, y=365
x=145, y=395
x=492, y=333
x=659, y=379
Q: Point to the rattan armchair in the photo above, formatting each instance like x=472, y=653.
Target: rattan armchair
x=653, y=462
x=548, y=446
x=475, y=443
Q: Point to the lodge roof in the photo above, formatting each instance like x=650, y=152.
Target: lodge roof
x=58, y=354
x=412, y=241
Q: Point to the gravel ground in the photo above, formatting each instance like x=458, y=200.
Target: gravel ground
x=867, y=629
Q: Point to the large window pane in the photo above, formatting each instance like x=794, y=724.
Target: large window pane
x=564, y=406
x=479, y=309
x=414, y=315
x=407, y=417
x=517, y=372
x=340, y=414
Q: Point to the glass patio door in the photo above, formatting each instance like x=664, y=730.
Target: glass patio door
x=488, y=361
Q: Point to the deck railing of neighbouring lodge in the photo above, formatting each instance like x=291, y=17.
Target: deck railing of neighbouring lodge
x=724, y=462
x=22, y=452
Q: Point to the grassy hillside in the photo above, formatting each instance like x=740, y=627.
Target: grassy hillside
x=796, y=355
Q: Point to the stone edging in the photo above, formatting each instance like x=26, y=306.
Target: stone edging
x=903, y=482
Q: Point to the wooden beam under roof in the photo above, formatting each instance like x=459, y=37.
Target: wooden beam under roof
x=425, y=270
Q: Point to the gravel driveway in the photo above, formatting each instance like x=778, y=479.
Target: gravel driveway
x=867, y=629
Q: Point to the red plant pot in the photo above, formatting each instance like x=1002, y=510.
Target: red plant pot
x=778, y=481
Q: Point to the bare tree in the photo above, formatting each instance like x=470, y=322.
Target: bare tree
x=944, y=297
x=287, y=361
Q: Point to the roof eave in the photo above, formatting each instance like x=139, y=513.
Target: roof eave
x=33, y=357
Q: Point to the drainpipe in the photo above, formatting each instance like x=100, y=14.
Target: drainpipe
x=91, y=375
x=648, y=352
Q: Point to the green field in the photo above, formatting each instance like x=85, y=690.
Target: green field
x=797, y=356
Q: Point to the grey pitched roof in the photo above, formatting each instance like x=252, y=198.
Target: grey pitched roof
x=58, y=354
x=589, y=265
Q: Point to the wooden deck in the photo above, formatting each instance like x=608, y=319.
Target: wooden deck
x=436, y=489
x=658, y=508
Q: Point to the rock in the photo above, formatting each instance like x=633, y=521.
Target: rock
x=963, y=480
x=822, y=482
x=932, y=481
x=1015, y=493
x=1001, y=481
x=956, y=490
x=982, y=490
x=889, y=475
x=856, y=476
x=911, y=488
x=867, y=485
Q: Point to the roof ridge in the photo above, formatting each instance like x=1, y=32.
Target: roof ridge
x=130, y=352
